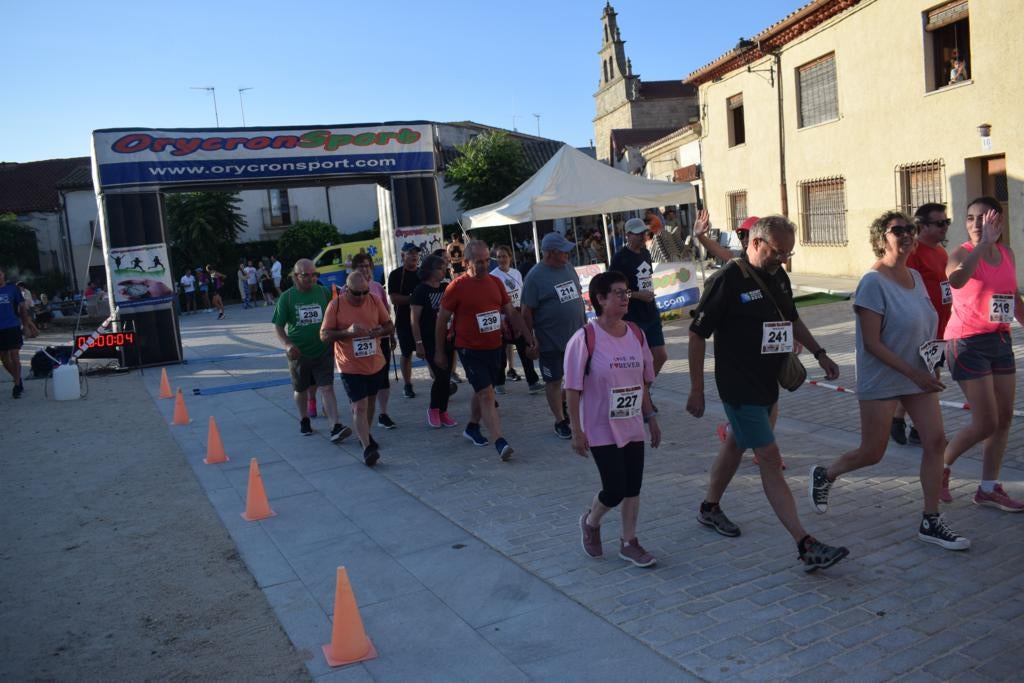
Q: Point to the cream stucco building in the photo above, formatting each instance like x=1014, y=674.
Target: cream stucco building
x=847, y=108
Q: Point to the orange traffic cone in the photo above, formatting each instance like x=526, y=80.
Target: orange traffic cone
x=180, y=412
x=165, y=386
x=256, y=505
x=214, y=447
x=349, y=643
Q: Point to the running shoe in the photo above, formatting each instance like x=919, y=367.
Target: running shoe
x=220, y=316
x=817, y=555
x=590, y=537
x=456, y=378
x=304, y=427
x=898, y=431
x=452, y=388
x=998, y=499
x=434, y=418
x=371, y=455
x=472, y=432
x=563, y=430
x=500, y=389
x=934, y=529
x=447, y=420
x=504, y=450
x=913, y=438
x=635, y=553
x=536, y=387
x=944, y=495
x=408, y=392
x=385, y=421
x=340, y=432
x=713, y=517
x=512, y=375
x=819, y=487
x=18, y=390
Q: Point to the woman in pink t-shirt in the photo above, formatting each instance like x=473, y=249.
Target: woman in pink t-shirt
x=979, y=353
x=608, y=372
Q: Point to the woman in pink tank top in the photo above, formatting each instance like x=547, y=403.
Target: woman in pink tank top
x=983, y=279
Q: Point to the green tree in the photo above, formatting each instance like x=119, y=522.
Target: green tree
x=303, y=240
x=203, y=226
x=19, y=245
x=489, y=167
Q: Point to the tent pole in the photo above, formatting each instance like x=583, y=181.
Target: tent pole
x=607, y=241
x=536, y=242
x=512, y=244
x=575, y=239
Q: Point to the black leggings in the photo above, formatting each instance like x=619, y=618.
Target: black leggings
x=528, y=371
x=622, y=471
x=440, y=390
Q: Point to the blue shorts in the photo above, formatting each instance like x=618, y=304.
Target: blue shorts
x=980, y=356
x=483, y=366
x=653, y=332
x=751, y=425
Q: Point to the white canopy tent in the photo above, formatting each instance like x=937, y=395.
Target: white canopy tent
x=573, y=184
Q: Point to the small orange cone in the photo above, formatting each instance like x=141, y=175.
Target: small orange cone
x=180, y=411
x=165, y=385
x=349, y=643
x=256, y=505
x=214, y=447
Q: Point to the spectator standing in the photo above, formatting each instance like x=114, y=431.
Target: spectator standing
x=188, y=286
x=15, y=325
x=275, y=273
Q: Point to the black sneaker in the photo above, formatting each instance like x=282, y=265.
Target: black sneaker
x=452, y=388
x=19, y=389
x=819, y=487
x=339, y=432
x=816, y=555
x=712, y=516
x=512, y=375
x=563, y=430
x=472, y=432
x=371, y=455
x=304, y=427
x=934, y=530
x=913, y=438
x=408, y=392
x=456, y=378
x=504, y=450
x=898, y=431
x=385, y=421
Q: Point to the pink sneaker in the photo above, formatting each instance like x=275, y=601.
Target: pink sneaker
x=447, y=420
x=635, y=553
x=434, y=418
x=590, y=537
x=944, y=495
x=998, y=499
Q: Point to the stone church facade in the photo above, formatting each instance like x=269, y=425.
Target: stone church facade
x=625, y=102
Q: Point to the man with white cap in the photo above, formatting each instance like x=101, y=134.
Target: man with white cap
x=634, y=261
x=553, y=311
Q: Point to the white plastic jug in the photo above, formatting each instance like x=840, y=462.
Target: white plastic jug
x=66, y=383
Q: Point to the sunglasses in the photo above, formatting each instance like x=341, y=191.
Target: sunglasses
x=900, y=230
x=358, y=292
x=944, y=223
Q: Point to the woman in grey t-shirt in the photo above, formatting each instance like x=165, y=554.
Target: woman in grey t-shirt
x=895, y=325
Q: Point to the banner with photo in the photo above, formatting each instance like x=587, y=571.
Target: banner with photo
x=428, y=238
x=140, y=275
x=674, y=283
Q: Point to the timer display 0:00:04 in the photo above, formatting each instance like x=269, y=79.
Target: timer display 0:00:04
x=106, y=340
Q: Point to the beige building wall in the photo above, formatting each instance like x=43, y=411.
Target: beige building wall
x=887, y=117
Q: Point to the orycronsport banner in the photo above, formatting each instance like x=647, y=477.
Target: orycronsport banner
x=145, y=157
x=675, y=285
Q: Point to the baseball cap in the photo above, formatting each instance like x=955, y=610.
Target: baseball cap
x=554, y=241
x=409, y=246
x=749, y=223
x=636, y=226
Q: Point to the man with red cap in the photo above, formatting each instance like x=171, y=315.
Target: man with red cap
x=700, y=231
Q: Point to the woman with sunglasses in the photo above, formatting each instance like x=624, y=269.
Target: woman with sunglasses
x=608, y=372
x=979, y=354
x=895, y=338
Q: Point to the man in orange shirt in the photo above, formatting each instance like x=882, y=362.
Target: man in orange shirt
x=354, y=322
x=477, y=299
x=929, y=258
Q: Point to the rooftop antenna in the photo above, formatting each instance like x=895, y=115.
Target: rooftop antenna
x=537, y=116
x=213, y=91
x=241, y=105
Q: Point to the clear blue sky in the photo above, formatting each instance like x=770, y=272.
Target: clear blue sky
x=72, y=67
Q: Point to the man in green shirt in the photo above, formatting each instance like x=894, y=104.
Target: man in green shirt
x=297, y=319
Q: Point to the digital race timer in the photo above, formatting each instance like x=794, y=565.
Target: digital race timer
x=106, y=345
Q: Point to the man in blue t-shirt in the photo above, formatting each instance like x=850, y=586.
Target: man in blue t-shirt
x=13, y=316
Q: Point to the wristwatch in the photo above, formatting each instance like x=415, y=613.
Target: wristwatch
x=819, y=353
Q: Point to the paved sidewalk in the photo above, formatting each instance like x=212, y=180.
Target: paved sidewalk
x=466, y=568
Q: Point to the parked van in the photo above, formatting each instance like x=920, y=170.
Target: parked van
x=333, y=262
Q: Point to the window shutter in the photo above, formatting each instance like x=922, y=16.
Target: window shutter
x=947, y=14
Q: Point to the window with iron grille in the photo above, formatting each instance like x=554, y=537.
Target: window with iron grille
x=823, y=211
x=920, y=183
x=817, y=91
x=737, y=208
x=737, y=129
